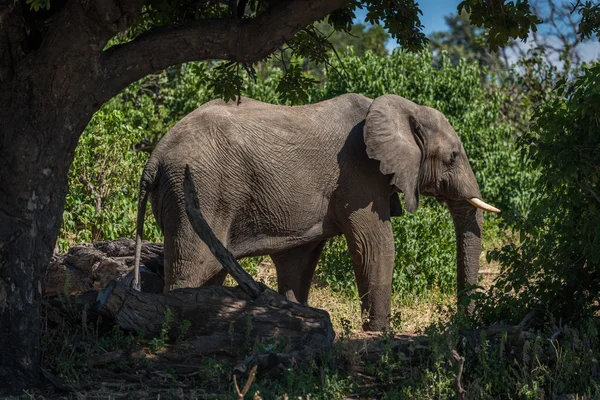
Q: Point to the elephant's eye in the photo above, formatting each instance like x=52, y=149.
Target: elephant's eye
x=453, y=156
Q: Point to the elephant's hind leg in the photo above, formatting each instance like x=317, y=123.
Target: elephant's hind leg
x=188, y=260
x=295, y=269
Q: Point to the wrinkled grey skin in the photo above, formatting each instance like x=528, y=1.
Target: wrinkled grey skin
x=279, y=181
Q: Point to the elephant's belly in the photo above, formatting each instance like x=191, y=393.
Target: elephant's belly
x=270, y=220
x=261, y=243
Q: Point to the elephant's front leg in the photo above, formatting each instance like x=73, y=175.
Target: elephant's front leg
x=371, y=244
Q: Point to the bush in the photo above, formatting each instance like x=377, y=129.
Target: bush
x=556, y=267
x=103, y=180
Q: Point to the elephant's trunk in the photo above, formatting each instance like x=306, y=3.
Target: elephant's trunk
x=468, y=222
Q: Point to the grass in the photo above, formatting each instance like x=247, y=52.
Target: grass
x=409, y=315
x=411, y=361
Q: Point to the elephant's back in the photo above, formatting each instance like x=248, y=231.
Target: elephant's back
x=221, y=133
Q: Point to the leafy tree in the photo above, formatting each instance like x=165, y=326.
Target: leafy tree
x=555, y=268
x=61, y=60
x=503, y=20
x=562, y=33
x=302, y=72
x=462, y=40
x=361, y=37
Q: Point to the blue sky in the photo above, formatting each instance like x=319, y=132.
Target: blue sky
x=434, y=13
x=432, y=20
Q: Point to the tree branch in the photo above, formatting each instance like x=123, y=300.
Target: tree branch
x=242, y=40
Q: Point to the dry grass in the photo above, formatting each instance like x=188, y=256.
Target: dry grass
x=409, y=316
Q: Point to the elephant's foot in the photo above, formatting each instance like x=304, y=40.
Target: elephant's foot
x=376, y=325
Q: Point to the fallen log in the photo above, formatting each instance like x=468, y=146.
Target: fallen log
x=91, y=266
x=219, y=318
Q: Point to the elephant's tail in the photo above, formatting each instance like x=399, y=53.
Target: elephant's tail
x=147, y=183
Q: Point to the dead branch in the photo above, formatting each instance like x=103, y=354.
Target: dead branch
x=242, y=393
x=459, y=362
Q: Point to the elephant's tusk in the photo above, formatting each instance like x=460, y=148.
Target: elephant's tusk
x=483, y=205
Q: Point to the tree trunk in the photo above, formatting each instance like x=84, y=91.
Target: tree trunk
x=33, y=185
x=36, y=151
x=48, y=95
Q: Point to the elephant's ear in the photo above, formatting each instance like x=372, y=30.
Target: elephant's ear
x=393, y=137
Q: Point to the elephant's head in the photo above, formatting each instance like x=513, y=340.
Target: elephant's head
x=417, y=147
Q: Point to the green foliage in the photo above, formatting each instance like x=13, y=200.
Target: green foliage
x=495, y=369
x=306, y=58
x=590, y=19
x=362, y=38
x=103, y=180
x=158, y=343
x=294, y=86
x=37, y=5
x=400, y=18
x=226, y=81
x=312, y=44
x=555, y=267
x=425, y=255
x=542, y=369
x=462, y=40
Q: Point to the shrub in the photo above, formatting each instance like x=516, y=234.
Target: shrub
x=556, y=267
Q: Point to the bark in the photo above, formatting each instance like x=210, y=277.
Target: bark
x=53, y=76
x=243, y=40
x=468, y=225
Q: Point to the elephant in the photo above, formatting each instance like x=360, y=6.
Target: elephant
x=280, y=180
